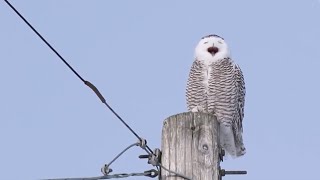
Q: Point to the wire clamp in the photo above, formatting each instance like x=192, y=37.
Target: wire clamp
x=106, y=170
x=155, y=158
x=142, y=143
x=152, y=173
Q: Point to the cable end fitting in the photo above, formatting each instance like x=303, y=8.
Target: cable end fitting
x=106, y=170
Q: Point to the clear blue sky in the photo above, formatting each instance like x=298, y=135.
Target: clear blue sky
x=138, y=53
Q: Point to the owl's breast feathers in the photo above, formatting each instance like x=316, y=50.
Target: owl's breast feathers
x=217, y=88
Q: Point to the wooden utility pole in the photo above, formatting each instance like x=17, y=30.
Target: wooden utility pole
x=190, y=146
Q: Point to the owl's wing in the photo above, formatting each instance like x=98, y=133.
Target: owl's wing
x=195, y=91
x=241, y=92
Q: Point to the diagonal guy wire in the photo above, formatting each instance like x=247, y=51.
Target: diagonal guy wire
x=90, y=85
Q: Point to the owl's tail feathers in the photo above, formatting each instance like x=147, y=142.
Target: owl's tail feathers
x=232, y=145
x=241, y=150
x=227, y=140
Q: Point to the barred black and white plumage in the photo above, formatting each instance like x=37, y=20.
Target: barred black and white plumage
x=216, y=85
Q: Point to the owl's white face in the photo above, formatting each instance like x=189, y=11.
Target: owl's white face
x=211, y=48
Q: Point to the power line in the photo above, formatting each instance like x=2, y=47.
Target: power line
x=90, y=85
x=151, y=173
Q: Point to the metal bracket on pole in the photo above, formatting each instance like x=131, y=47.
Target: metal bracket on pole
x=223, y=172
x=154, y=158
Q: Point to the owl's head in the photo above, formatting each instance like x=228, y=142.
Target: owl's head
x=211, y=48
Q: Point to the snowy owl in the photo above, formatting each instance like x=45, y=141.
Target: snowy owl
x=216, y=85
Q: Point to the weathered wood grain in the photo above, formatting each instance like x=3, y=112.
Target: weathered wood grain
x=190, y=146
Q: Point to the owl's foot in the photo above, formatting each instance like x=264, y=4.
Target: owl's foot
x=197, y=109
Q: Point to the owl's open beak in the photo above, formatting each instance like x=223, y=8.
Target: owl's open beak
x=213, y=50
